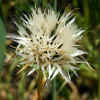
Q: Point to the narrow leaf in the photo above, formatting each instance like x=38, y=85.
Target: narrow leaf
x=2, y=38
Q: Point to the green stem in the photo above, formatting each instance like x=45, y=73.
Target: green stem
x=54, y=90
x=55, y=5
x=99, y=82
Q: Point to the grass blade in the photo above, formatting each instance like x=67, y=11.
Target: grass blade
x=2, y=37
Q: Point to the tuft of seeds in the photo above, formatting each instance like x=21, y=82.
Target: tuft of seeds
x=50, y=44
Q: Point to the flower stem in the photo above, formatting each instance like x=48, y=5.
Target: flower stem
x=40, y=85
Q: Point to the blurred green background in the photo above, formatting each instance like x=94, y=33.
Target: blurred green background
x=21, y=87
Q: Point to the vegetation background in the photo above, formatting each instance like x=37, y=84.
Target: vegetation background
x=20, y=87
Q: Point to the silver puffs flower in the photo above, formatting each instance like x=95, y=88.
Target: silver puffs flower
x=48, y=42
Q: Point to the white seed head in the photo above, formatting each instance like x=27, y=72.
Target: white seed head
x=49, y=43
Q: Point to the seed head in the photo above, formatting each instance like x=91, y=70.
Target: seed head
x=47, y=41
